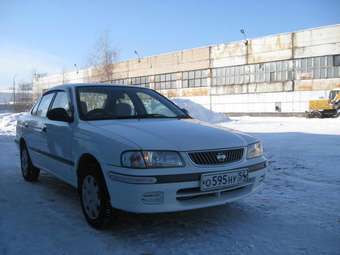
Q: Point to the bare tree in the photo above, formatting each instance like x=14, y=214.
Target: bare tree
x=24, y=93
x=102, y=59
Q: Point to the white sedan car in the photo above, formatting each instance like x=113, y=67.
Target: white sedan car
x=132, y=149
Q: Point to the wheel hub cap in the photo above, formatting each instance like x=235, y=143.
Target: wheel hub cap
x=90, y=196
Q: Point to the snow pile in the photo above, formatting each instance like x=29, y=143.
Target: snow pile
x=199, y=112
x=8, y=122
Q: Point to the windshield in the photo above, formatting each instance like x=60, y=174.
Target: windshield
x=110, y=102
x=333, y=94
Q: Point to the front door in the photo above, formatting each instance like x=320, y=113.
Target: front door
x=59, y=141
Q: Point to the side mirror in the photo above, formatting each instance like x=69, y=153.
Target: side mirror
x=58, y=114
x=185, y=111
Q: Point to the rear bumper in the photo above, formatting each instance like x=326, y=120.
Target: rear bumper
x=152, y=194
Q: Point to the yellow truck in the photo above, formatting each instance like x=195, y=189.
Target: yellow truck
x=328, y=107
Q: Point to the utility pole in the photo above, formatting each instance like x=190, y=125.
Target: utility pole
x=210, y=80
x=243, y=32
x=138, y=56
x=76, y=67
x=14, y=99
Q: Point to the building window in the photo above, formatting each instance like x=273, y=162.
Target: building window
x=165, y=81
x=193, y=79
x=336, y=60
x=143, y=81
x=323, y=67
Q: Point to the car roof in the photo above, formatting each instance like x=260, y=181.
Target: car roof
x=75, y=85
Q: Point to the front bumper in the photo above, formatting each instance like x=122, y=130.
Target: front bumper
x=178, y=192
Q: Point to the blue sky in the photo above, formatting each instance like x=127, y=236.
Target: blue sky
x=50, y=36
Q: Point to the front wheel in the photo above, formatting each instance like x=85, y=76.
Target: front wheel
x=29, y=172
x=94, y=197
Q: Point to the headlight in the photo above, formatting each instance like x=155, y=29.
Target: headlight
x=254, y=150
x=151, y=159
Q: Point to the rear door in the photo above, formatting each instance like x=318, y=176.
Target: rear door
x=29, y=133
x=37, y=138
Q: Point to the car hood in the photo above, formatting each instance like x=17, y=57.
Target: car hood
x=173, y=134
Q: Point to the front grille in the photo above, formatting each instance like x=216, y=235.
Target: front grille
x=216, y=157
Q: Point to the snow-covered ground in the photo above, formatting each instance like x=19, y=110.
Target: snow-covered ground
x=8, y=122
x=297, y=212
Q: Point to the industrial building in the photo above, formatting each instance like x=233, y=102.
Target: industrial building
x=272, y=74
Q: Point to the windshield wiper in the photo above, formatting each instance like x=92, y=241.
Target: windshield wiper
x=139, y=116
x=151, y=115
x=157, y=115
x=184, y=117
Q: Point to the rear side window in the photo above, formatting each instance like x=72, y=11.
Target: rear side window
x=44, y=104
x=61, y=101
x=35, y=107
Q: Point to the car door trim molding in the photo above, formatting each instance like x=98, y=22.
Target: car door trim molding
x=57, y=158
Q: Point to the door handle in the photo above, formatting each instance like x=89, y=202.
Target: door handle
x=25, y=124
x=43, y=129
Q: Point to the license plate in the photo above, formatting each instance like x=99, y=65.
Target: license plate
x=223, y=179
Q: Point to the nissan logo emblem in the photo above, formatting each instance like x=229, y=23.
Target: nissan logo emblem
x=221, y=156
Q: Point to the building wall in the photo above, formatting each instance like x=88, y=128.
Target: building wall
x=287, y=102
x=272, y=73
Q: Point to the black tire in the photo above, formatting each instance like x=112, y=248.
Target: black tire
x=28, y=171
x=337, y=114
x=90, y=176
x=316, y=114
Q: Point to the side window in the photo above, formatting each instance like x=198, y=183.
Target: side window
x=61, y=101
x=44, y=104
x=35, y=107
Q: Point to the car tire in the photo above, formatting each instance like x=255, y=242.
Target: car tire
x=28, y=170
x=94, y=197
